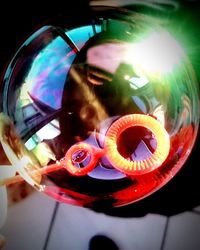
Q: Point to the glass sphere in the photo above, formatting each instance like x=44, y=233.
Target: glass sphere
x=101, y=112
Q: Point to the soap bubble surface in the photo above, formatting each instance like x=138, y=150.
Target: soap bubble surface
x=99, y=113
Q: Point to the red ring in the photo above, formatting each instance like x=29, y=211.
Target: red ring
x=141, y=166
x=68, y=164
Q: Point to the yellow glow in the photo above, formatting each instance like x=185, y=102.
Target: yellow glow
x=126, y=77
x=158, y=53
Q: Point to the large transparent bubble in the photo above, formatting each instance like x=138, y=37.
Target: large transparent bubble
x=99, y=113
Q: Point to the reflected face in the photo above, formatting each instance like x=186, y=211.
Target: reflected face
x=103, y=114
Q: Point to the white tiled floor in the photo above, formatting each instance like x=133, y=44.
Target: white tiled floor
x=74, y=226
x=183, y=232
x=28, y=222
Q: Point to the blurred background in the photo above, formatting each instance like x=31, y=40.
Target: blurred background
x=167, y=220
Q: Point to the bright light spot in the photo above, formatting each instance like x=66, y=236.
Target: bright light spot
x=158, y=53
x=126, y=77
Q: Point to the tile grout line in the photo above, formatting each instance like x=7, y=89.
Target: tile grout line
x=164, y=234
x=51, y=225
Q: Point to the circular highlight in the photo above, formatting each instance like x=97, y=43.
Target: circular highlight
x=83, y=150
x=141, y=166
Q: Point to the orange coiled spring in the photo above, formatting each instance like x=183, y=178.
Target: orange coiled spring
x=137, y=167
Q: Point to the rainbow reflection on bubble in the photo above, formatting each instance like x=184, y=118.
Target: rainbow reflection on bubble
x=101, y=113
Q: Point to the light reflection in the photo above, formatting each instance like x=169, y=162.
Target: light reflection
x=157, y=53
x=67, y=87
x=50, y=68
